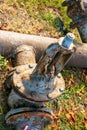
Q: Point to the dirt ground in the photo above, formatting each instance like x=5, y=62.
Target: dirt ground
x=15, y=17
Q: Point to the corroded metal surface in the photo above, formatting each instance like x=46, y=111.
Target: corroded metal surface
x=30, y=117
x=15, y=101
x=24, y=54
x=9, y=41
x=37, y=83
x=77, y=11
x=37, y=88
x=56, y=56
x=27, y=109
x=43, y=82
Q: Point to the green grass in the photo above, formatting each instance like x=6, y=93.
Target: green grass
x=72, y=102
x=42, y=10
x=49, y=13
x=3, y=63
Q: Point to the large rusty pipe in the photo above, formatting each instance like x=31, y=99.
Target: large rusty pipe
x=26, y=118
x=9, y=40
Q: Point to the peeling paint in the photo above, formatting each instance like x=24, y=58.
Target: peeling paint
x=36, y=83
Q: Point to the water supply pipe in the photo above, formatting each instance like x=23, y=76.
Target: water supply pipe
x=9, y=41
x=33, y=84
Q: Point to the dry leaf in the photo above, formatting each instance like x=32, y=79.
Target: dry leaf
x=85, y=122
x=86, y=78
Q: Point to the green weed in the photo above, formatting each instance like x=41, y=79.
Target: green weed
x=3, y=63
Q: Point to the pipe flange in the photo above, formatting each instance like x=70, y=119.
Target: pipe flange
x=30, y=117
x=36, y=88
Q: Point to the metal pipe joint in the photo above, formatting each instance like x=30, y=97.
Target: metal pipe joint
x=34, y=83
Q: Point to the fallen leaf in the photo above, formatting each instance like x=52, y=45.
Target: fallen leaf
x=71, y=116
x=85, y=122
x=86, y=78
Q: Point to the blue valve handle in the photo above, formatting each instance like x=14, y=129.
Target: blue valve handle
x=68, y=40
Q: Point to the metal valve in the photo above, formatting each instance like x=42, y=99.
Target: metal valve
x=34, y=83
x=43, y=82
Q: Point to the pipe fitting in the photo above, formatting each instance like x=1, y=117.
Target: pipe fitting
x=24, y=54
x=37, y=83
x=29, y=118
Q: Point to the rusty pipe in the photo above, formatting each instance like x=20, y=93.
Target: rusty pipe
x=31, y=85
x=28, y=85
x=26, y=118
x=33, y=117
x=77, y=11
x=29, y=80
x=9, y=41
x=24, y=54
x=56, y=56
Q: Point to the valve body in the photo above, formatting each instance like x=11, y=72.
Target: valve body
x=34, y=83
x=77, y=11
